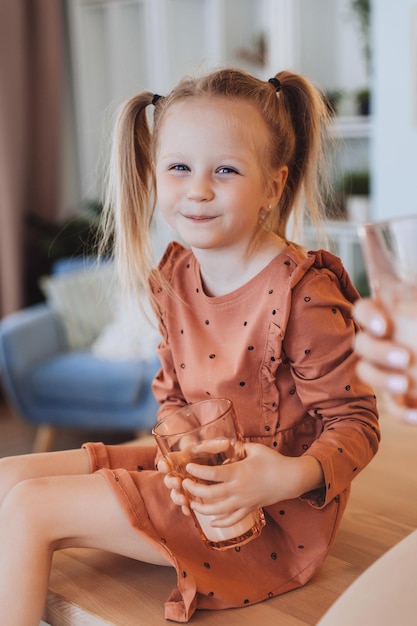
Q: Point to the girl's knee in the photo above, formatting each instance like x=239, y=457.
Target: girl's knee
x=24, y=509
x=10, y=475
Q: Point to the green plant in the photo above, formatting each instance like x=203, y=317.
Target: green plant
x=363, y=99
x=355, y=183
x=362, y=10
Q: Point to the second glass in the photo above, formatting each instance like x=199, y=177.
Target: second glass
x=390, y=254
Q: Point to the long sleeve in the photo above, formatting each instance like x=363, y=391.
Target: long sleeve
x=165, y=386
x=319, y=345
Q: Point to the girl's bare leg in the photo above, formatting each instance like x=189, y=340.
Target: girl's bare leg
x=42, y=514
x=14, y=469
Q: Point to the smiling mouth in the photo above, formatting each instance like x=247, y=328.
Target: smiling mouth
x=200, y=218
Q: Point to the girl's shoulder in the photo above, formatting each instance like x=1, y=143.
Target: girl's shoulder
x=330, y=263
x=162, y=274
x=315, y=265
x=174, y=254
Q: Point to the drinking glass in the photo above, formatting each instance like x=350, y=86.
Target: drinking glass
x=207, y=433
x=390, y=254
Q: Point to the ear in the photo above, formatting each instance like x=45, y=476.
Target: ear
x=277, y=185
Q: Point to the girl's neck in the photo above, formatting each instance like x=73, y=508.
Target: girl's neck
x=223, y=272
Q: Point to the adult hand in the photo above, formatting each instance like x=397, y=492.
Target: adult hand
x=384, y=363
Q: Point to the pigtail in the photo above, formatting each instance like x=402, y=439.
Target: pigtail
x=130, y=199
x=308, y=186
x=298, y=120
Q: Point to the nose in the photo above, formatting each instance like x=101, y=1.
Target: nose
x=199, y=188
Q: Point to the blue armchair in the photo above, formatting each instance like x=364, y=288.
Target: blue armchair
x=53, y=386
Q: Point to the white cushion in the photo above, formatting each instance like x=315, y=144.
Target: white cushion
x=132, y=334
x=84, y=299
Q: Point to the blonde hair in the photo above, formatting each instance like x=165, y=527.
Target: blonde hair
x=297, y=119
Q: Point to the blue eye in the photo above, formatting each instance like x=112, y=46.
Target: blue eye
x=227, y=170
x=180, y=167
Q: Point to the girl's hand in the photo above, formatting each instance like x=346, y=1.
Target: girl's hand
x=174, y=483
x=264, y=477
x=383, y=364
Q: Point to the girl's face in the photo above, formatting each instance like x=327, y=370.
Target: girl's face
x=210, y=173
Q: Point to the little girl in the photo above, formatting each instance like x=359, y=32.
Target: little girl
x=243, y=314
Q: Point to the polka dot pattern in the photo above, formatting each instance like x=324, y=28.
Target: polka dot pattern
x=242, y=345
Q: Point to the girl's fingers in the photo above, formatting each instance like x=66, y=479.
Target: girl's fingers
x=163, y=466
x=219, y=519
x=173, y=481
x=209, y=492
x=174, y=484
x=179, y=498
x=211, y=473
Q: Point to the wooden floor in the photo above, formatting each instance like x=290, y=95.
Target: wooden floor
x=17, y=436
x=382, y=510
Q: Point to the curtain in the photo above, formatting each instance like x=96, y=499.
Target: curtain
x=31, y=34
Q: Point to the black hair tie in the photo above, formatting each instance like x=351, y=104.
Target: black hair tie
x=155, y=98
x=277, y=83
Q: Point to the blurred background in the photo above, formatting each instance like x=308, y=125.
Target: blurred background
x=66, y=65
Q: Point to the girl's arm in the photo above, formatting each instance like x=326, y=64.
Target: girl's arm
x=319, y=346
x=263, y=478
x=165, y=386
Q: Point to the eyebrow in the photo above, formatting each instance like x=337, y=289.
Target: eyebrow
x=223, y=158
